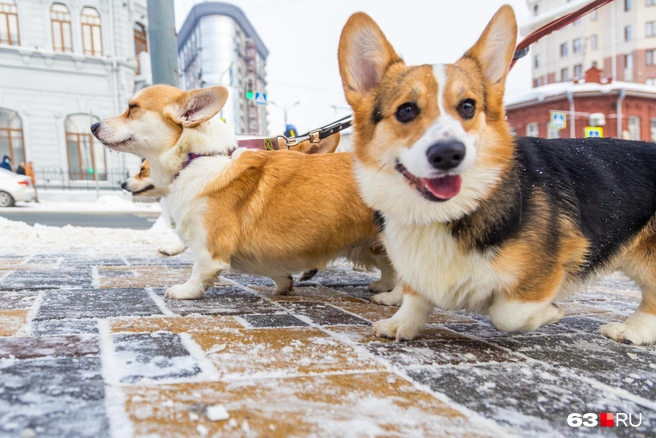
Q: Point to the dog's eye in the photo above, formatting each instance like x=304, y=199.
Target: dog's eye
x=407, y=112
x=467, y=108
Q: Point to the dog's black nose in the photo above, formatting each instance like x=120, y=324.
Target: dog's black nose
x=95, y=127
x=446, y=155
x=124, y=185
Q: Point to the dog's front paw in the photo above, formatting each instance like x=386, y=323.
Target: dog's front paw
x=184, y=292
x=395, y=328
x=380, y=286
x=172, y=249
x=638, y=329
x=388, y=298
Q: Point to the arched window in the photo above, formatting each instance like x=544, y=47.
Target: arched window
x=60, y=19
x=140, y=42
x=11, y=136
x=9, y=23
x=86, y=156
x=91, y=36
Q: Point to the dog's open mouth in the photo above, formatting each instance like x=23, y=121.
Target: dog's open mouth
x=434, y=189
x=139, y=192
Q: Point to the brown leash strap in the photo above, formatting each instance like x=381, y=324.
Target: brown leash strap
x=522, y=47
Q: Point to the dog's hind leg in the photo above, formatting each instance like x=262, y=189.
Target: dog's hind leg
x=308, y=275
x=639, y=263
x=203, y=274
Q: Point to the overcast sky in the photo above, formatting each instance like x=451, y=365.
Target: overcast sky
x=302, y=37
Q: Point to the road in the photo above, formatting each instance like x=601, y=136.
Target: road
x=137, y=221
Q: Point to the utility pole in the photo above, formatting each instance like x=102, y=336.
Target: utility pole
x=285, y=108
x=163, y=42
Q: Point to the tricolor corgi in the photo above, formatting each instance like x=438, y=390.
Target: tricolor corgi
x=477, y=219
x=257, y=212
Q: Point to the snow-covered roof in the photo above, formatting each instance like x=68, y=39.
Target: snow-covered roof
x=559, y=89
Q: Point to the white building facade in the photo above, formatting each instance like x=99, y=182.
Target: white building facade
x=64, y=65
x=217, y=45
x=619, y=39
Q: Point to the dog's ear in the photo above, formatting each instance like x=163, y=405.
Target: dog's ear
x=197, y=106
x=494, y=51
x=325, y=146
x=364, y=55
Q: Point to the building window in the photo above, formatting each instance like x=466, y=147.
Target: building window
x=650, y=29
x=634, y=127
x=536, y=10
x=552, y=132
x=564, y=75
x=628, y=33
x=650, y=2
x=653, y=129
x=650, y=81
x=536, y=61
x=563, y=49
x=628, y=4
x=91, y=36
x=86, y=157
x=9, y=23
x=595, y=64
x=578, y=71
x=628, y=62
x=140, y=42
x=594, y=42
x=537, y=82
x=576, y=22
x=577, y=45
x=11, y=136
x=593, y=15
x=61, y=28
x=649, y=57
x=532, y=130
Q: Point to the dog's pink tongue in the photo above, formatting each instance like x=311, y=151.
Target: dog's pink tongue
x=445, y=187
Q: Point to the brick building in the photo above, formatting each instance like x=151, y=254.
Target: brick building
x=595, y=100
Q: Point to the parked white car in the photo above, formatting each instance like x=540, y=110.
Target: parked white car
x=14, y=188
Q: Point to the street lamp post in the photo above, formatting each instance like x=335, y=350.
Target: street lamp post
x=285, y=108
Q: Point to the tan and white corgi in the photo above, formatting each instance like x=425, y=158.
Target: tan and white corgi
x=258, y=212
x=480, y=220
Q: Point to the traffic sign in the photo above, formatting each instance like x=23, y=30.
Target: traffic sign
x=594, y=131
x=558, y=120
x=260, y=98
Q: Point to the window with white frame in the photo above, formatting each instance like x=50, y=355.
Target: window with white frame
x=536, y=61
x=532, y=130
x=650, y=81
x=578, y=71
x=594, y=42
x=577, y=45
x=628, y=33
x=634, y=127
x=593, y=15
x=564, y=49
x=564, y=75
x=649, y=57
x=552, y=132
x=650, y=29
x=628, y=5
x=628, y=62
x=653, y=129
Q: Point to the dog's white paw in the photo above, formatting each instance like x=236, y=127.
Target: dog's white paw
x=172, y=249
x=396, y=328
x=388, y=298
x=380, y=286
x=184, y=292
x=638, y=329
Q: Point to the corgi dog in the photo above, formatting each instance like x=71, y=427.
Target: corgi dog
x=257, y=212
x=480, y=220
x=142, y=184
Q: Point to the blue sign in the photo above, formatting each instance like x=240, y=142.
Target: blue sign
x=558, y=120
x=260, y=98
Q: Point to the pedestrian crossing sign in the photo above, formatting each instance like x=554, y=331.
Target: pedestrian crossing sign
x=558, y=120
x=594, y=131
x=260, y=98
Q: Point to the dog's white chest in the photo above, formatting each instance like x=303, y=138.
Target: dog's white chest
x=428, y=259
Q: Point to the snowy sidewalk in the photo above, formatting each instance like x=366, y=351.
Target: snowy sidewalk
x=90, y=347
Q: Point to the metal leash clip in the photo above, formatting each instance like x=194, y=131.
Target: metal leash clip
x=316, y=135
